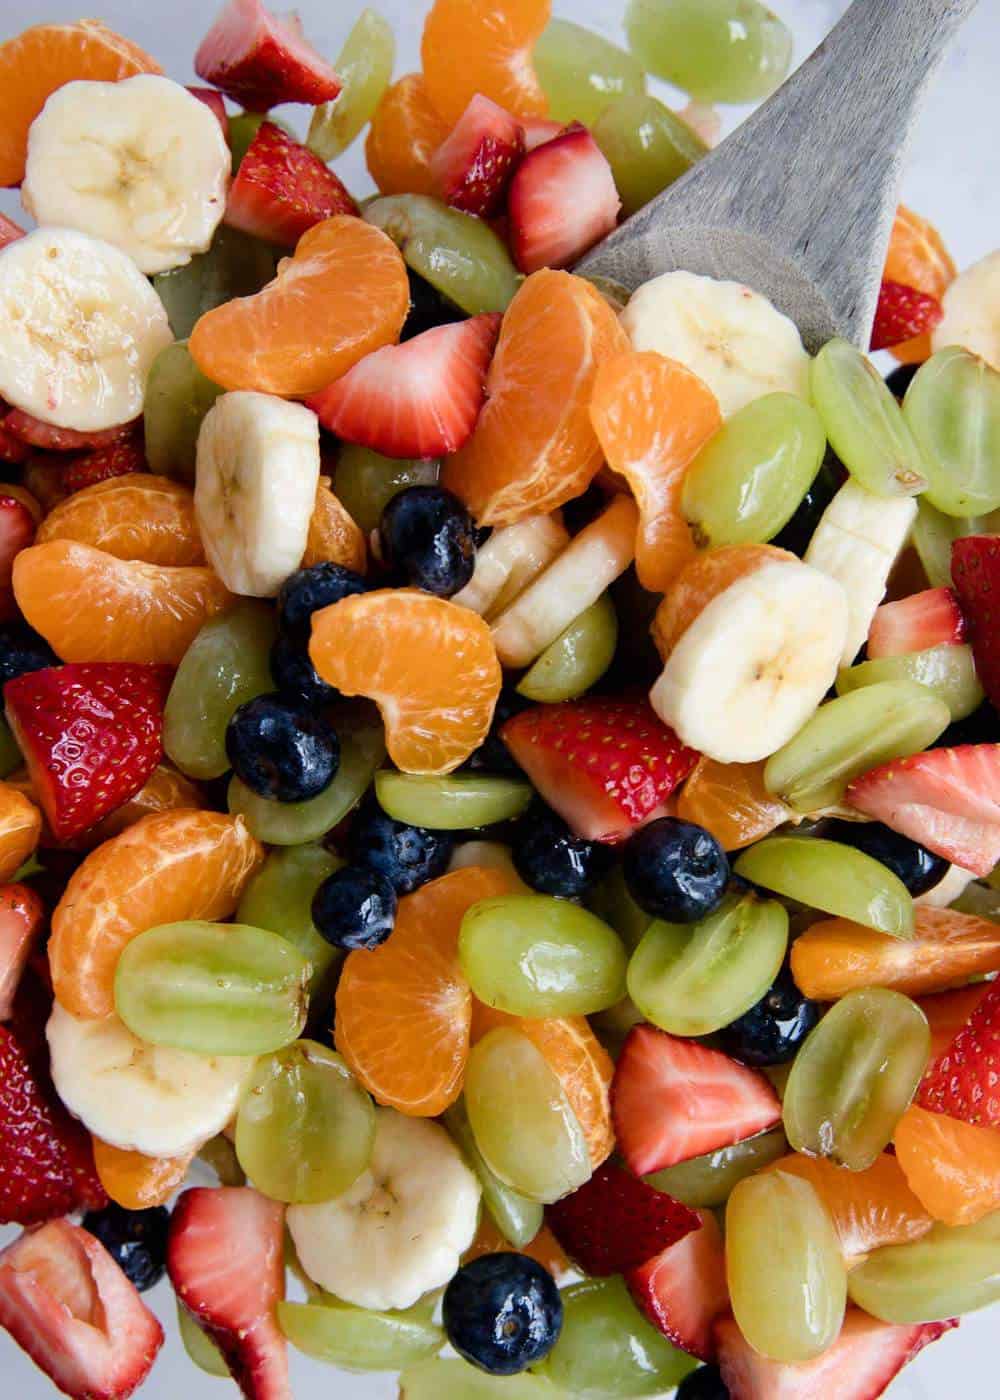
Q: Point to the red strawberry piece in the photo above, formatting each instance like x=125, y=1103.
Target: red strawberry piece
x=606, y=766
x=932, y=618
x=260, y=60
x=12, y=449
x=21, y=918
x=964, y=1082
x=562, y=201
x=282, y=189
x=119, y=458
x=216, y=104
x=859, y=1366
x=538, y=130
x=225, y=1258
x=901, y=314
x=683, y=1290
x=48, y=438
x=472, y=167
x=615, y=1222
x=674, y=1099
x=91, y=735
x=17, y=530
x=975, y=572
x=9, y=231
x=418, y=399
x=68, y=1304
x=947, y=799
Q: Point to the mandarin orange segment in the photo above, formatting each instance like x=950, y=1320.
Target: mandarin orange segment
x=405, y=132
x=164, y=791
x=334, y=537
x=953, y=1167
x=918, y=258
x=948, y=1012
x=20, y=829
x=484, y=46
x=702, y=579
x=429, y=665
x=149, y=518
x=343, y=294
x=731, y=801
x=135, y=1181
x=168, y=867
x=544, y=1248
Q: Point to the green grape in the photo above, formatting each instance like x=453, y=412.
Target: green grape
x=200, y=1347
x=611, y=901
x=950, y=1271
x=364, y=481
x=279, y=898
x=716, y=50
x=948, y=672
x=227, y=664
x=831, y=877
x=704, y=1183
x=11, y=757
x=364, y=66
x=518, y=1219
x=521, y=1119
x=934, y=533
x=647, y=146
x=357, y=1338
x=236, y=265
x=854, y=1077
x=243, y=127
x=953, y=409
x=607, y=1348
x=980, y=899
x=533, y=955
x=581, y=72
x=787, y=1280
x=452, y=803
x=220, y=1154
x=448, y=1378
x=216, y=989
x=850, y=736
x=457, y=253
x=177, y=398
x=749, y=479
x=578, y=657
x=693, y=979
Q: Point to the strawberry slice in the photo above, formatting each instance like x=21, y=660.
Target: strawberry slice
x=606, y=766
x=21, y=917
x=225, y=1258
x=418, y=399
x=674, y=1099
x=975, y=572
x=615, y=1222
x=260, y=60
x=48, y=438
x=12, y=449
x=17, y=530
x=683, y=1290
x=562, y=201
x=282, y=188
x=932, y=618
x=964, y=1082
x=119, y=458
x=216, y=104
x=9, y=231
x=538, y=130
x=473, y=166
x=901, y=314
x=91, y=735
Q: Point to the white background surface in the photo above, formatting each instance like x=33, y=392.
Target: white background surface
x=951, y=178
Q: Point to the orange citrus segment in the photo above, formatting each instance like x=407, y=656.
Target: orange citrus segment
x=334, y=538
x=948, y=1012
x=135, y=1181
x=472, y=46
x=20, y=829
x=953, y=1167
x=918, y=258
x=702, y=579
x=164, y=791
x=544, y=1248
x=405, y=132
x=149, y=518
x=731, y=801
x=343, y=294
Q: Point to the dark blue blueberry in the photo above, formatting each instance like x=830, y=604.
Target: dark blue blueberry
x=281, y=749
x=429, y=538
x=552, y=860
x=771, y=1032
x=493, y=755
x=796, y=535
x=428, y=308
x=135, y=1239
x=503, y=1313
x=901, y=378
x=355, y=908
x=296, y=676
x=308, y=590
x=675, y=870
x=408, y=856
x=23, y=650
x=704, y=1384
x=918, y=868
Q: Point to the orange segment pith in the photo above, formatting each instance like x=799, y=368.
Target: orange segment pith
x=702, y=579
x=334, y=537
x=917, y=258
x=953, y=1167
x=472, y=46
x=20, y=830
x=139, y=516
x=731, y=801
x=135, y=1181
x=405, y=132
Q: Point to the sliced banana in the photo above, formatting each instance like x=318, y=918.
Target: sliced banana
x=857, y=541
x=141, y=164
x=732, y=337
x=755, y=663
x=509, y=560
x=972, y=311
x=141, y=1097
x=255, y=485
x=401, y=1228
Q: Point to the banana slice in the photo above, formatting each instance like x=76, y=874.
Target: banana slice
x=732, y=337
x=972, y=311
x=401, y=1228
x=753, y=666
x=857, y=541
x=141, y=1097
x=255, y=485
x=509, y=560
x=141, y=164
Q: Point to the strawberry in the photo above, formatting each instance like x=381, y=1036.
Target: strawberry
x=964, y=1082
x=562, y=201
x=119, y=458
x=932, y=618
x=282, y=188
x=615, y=1222
x=48, y=438
x=91, y=735
x=21, y=917
x=12, y=449
x=901, y=314
x=538, y=130
x=946, y=799
x=674, y=1099
x=683, y=1290
x=418, y=399
x=473, y=166
x=606, y=766
x=17, y=530
x=975, y=572
x=9, y=231
x=216, y=104
x=225, y=1258
x=260, y=60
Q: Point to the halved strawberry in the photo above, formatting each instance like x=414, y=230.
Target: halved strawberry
x=562, y=201
x=975, y=572
x=9, y=231
x=947, y=799
x=538, y=130
x=615, y=1222
x=282, y=188
x=606, y=766
x=674, y=1099
x=22, y=915
x=260, y=60
x=473, y=165
x=17, y=530
x=216, y=104
x=48, y=438
x=932, y=618
x=683, y=1290
x=964, y=1082
x=901, y=314
x=119, y=458
x=225, y=1258
x=418, y=399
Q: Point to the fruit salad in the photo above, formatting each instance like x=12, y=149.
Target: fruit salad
x=499, y=776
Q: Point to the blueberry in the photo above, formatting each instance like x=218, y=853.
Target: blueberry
x=296, y=676
x=428, y=536
x=552, y=860
x=901, y=378
x=503, y=1313
x=704, y=1384
x=795, y=536
x=135, y=1239
x=308, y=590
x=408, y=856
x=355, y=908
x=918, y=868
x=493, y=755
x=771, y=1032
x=281, y=749
x=675, y=870
x=23, y=650
x=428, y=308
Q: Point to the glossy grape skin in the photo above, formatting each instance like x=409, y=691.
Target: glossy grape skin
x=577, y=659
x=454, y=803
x=364, y=481
x=934, y=533
x=199, y=1346
x=952, y=1270
x=947, y=671
x=236, y=265
x=716, y=50
x=450, y=1378
x=918, y=868
x=581, y=72
x=364, y=66
x=647, y=146
x=707, y=1182
x=279, y=898
x=178, y=396
x=358, y=1338
x=518, y=1219
x=953, y=409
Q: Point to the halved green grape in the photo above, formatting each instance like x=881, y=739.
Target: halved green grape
x=357, y=1338
x=934, y=533
x=521, y=1119
x=448, y=1378
x=864, y=422
x=578, y=657
x=518, y=1219
x=707, y=1182
x=831, y=877
x=716, y=50
x=850, y=736
x=647, y=146
x=581, y=72
x=177, y=398
x=200, y=1347
x=236, y=265
x=11, y=757
x=220, y=1154
x=279, y=898
x=854, y=1077
x=243, y=127
x=610, y=900
x=457, y=253
x=533, y=955
x=453, y=803
x=364, y=67
x=693, y=979
x=950, y=1271
x=948, y=672
x=787, y=1280
x=216, y=989
x=953, y=409
x=364, y=481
